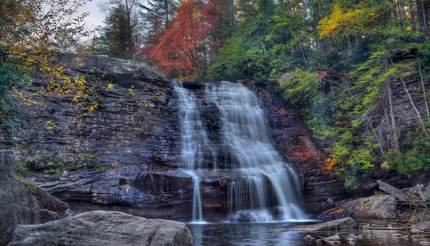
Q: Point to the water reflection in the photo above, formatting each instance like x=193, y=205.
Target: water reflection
x=278, y=234
x=245, y=234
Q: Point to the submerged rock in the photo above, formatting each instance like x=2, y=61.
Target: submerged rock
x=333, y=238
x=104, y=228
x=345, y=223
x=423, y=226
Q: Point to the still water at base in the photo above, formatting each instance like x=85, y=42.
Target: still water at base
x=279, y=234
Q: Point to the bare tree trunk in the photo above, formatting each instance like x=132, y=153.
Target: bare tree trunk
x=166, y=6
x=422, y=13
x=424, y=91
x=393, y=120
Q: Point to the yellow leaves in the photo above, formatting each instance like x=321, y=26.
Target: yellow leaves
x=63, y=84
x=109, y=86
x=92, y=107
x=49, y=125
x=328, y=25
x=354, y=21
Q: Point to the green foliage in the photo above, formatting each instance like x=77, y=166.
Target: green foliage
x=266, y=42
x=414, y=156
x=11, y=76
x=300, y=87
x=424, y=56
x=241, y=58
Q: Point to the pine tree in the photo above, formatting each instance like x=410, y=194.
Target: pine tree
x=120, y=36
x=156, y=16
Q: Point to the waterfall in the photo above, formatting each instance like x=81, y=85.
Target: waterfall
x=262, y=187
x=265, y=181
x=195, y=147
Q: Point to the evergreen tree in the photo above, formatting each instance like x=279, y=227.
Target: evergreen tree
x=156, y=16
x=120, y=36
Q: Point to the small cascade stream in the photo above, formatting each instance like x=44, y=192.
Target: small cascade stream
x=262, y=187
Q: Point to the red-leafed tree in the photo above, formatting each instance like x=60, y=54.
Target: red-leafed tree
x=182, y=49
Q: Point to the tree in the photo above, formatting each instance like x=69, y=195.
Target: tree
x=181, y=49
x=32, y=33
x=156, y=17
x=120, y=36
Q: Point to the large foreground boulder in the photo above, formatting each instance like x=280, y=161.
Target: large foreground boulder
x=103, y=228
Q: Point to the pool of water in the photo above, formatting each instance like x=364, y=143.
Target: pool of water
x=279, y=234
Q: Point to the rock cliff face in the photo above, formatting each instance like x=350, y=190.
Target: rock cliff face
x=125, y=154
x=106, y=157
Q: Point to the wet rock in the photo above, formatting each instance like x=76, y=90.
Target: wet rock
x=319, y=241
x=345, y=223
x=423, y=226
x=332, y=238
x=418, y=191
x=427, y=192
x=377, y=206
x=352, y=238
x=309, y=238
x=102, y=228
x=47, y=215
x=393, y=191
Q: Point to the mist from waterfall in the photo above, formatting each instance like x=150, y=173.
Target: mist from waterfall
x=262, y=187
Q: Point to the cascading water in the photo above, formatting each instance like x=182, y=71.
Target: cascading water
x=265, y=180
x=261, y=186
x=195, y=148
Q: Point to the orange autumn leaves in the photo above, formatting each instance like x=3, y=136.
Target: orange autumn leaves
x=181, y=48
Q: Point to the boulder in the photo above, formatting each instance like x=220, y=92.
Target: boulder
x=427, y=192
x=22, y=202
x=46, y=200
x=17, y=204
x=376, y=207
x=103, y=228
x=345, y=223
x=393, y=191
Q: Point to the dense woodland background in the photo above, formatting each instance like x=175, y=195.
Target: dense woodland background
x=341, y=63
